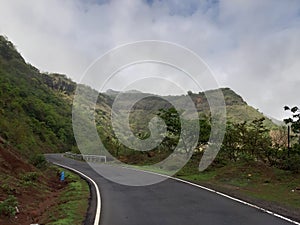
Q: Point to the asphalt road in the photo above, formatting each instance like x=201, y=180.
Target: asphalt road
x=167, y=203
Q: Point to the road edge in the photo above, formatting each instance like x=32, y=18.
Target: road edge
x=90, y=180
x=221, y=194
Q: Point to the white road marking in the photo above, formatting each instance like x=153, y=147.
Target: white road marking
x=97, y=217
x=98, y=210
x=218, y=193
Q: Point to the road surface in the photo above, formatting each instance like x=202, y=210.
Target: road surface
x=167, y=203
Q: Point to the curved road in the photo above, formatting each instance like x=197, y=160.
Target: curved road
x=167, y=203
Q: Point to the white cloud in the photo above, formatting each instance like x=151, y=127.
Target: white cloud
x=252, y=45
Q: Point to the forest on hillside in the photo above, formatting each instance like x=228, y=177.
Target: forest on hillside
x=36, y=117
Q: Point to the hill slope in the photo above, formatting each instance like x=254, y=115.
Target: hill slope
x=236, y=108
x=35, y=108
x=33, y=117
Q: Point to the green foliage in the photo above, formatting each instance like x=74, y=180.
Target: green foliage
x=238, y=113
x=34, y=117
x=253, y=179
x=72, y=205
x=237, y=109
x=172, y=120
x=246, y=141
x=205, y=129
x=231, y=144
x=294, y=120
x=38, y=160
x=250, y=142
x=8, y=50
x=257, y=139
x=8, y=189
x=8, y=206
x=30, y=177
x=292, y=164
x=289, y=159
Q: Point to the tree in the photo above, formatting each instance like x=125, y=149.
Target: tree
x=231, y=144
x=258, y=140
x=205, y=129
x=249, y=141
x=174, y=128
x=172, y=120
x=294, y=120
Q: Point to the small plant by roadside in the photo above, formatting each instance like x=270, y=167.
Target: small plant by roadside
x=30, y=176
x=8, y=189
x=8, y=206
x=38, y=161
x=28, y=179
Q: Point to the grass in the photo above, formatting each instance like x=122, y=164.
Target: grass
x=252, y=180
x=73, y=202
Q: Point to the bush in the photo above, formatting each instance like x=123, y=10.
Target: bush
x=246, y=157
x=8, y=206
x=39, y=161
x=289, y=159
x=8, y=189
x=291, y=163
x=29, y=177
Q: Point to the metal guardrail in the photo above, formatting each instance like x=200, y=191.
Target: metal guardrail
x=88, y=158
x=94, y=158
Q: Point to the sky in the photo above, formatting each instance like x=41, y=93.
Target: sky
x=252, y=46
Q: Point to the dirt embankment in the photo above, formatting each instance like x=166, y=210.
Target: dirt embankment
x=35, y=191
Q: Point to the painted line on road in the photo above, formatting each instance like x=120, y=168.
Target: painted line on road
x=98, y=210
x=219, y=193
x=238, y=200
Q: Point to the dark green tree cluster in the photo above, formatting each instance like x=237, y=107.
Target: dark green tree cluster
x=246, y=141
x=251, y=142
x=293, y=158
x=170, y=141
x=172, y=119
x=294, y=120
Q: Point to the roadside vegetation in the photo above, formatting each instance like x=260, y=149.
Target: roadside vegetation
x=34, y=194
x=71, y=205
x=256, y=159
x=269, y=187
x=33, y=117
x=257, y=162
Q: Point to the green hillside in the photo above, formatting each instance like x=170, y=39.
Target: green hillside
x=237, y=109
x=35, y=107
x=33, y=117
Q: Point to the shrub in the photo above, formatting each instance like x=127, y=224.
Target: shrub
x=29, y=177
x=38, y=161
x=246, y=157
x=291, y=164
x=8, y=206
x=8, y=189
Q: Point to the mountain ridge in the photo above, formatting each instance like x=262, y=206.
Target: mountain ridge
x=43, y=103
